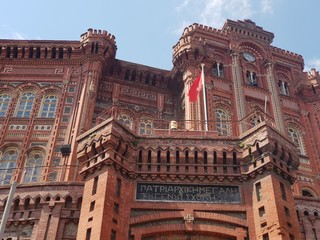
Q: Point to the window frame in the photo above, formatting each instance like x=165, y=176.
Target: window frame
x=147, y=129
x=222, y=124
x=218, y=69
x=126, y=120
x=51, y=108
x=33, y=172
x=8, y=165
x=4, y=104
x=295, y=136
x=25, y=106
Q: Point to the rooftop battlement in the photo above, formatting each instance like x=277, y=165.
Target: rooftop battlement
x=248, y=28
x=287, y=53
x=94, y=33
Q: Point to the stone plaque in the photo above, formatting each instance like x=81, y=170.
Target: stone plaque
x=187, y=193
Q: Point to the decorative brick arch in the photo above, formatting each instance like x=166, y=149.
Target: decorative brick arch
x=179, y=226
x=198, y=229
x=253, y=47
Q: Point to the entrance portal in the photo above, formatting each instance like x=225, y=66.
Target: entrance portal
x=187, y=237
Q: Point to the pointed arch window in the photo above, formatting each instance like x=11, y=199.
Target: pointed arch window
x=7, y=165
x=296, y=138
x=252, y=79
x=222, y=122
x=33, y=166
x=283, y=87
x=218, y=69
x=307, y=193
x=48, y=106
x=4, y=104
x=146, y=126
x=125, y=119
x=25, y=105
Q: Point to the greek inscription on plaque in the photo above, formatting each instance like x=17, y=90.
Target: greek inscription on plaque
x=187, y=193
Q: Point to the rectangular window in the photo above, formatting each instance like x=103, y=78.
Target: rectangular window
x=262, y=212
x=286, y=210
x=283, y=191
x=95, y=185
x=65, y=119
x=258, y=191
x=116, y=207
x=113, y=235
x=88, y=234
x=92, y=204
x=69, y=100
x=71, y=89
x=264, y=224
x=265, y=236
x=67, y=110
x=118, y=187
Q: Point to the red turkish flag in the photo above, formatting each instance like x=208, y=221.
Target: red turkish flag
x=195, y=89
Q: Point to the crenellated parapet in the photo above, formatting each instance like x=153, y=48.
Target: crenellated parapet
x=25, y=50
x=157, y=157
x=246, y=29
x=99, y=42
x=287, y=53
x=309, y=86
x=192, y=47
x=265, y=149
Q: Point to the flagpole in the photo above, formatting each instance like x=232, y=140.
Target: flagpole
x=204, y=98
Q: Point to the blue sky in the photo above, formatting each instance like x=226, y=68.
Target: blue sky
x=146, y=30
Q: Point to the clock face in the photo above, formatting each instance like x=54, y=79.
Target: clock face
x=249, y=57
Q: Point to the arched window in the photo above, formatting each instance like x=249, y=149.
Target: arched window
x=134, y=75
x=296, y=138
x=33, y=166
x=307, y=193
x=125, y=119
x=146, y=126
x=7, y=165
x=68, y=202
x=255, y=120
x=252, y=79
x=283, y=87
x=127, y=74
x=48, y=106
x=217, y=69
x=25, y=105
x=222, y=122
x=4, y=104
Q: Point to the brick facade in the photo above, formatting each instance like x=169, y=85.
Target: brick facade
x=120, y=142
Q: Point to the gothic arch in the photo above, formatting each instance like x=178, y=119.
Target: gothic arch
x=251, y=67
x=127, y=117
x=51, y=90
x=179, y=226
x=253, y=47
x=218, y=58
x=7, y=89
x=309, y=190
x=30, y=86
x=295, y=133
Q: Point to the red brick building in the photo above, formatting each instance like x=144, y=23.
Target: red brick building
x=102, y=148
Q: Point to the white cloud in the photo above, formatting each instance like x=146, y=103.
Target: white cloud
x=215, y=12
x=18, y=36
x=179, y=29
x=266, y=6
x=182, y=5
x=313, y=63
